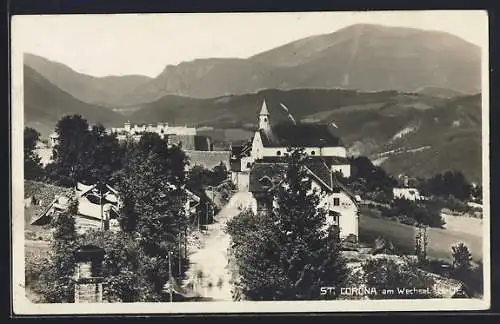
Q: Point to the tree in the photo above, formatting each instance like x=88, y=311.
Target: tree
x=72, y=151
x=58, y=275
x=368, y=178
x=462, y=258
x=32, y=167
x=477, y=193
x=152, y=186
x=449, y=183
x=219, y=174
x=421, y=245
x=105, y=155
x=287, y=254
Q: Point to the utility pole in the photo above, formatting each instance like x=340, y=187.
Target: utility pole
x=100, y=203
x=185, y=242
x=206, y=216
x=198, y=217
x=171, y=288
x=180, y=257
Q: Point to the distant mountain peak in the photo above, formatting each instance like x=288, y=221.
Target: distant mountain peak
x=368, y=57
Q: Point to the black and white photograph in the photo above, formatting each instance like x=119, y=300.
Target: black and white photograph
x=259, y=162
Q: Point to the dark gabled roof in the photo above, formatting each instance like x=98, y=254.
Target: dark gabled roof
x=319, y=170
x=338, y=185
x=300, y=135
x=265, y=175
x=236, y=150
x=241, y=150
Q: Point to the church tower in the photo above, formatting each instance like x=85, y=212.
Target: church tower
x=264, y=117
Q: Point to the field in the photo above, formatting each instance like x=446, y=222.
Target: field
x=403, y=237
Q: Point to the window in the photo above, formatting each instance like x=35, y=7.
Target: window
x=313, y=153
x=336, y=201
x=265, y=119
x=278, y=153
x=334, y=216
x=249, y=164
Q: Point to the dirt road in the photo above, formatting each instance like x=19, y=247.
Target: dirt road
x=208, y=273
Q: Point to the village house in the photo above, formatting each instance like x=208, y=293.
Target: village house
x=406, y=193
x=341, y=204
x=99, y=208
x=273, y=141
x=160, y=128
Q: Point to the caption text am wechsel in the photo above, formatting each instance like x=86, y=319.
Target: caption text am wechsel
x=370, y=291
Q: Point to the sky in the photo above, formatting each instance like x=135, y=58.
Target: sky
x=101, y=45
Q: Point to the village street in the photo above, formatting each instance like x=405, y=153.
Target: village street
x=208, y=272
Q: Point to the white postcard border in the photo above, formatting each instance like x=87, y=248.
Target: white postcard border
x=22, y=306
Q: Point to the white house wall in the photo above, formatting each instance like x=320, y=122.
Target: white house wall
x=241, y=180
x=348, y=219
x=246, y=162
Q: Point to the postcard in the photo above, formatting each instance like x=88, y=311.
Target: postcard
x=250, y=162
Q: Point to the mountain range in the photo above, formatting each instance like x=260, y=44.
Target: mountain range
x=363, y=57
x=408, y=133
x=45, y=104
x=409, y=99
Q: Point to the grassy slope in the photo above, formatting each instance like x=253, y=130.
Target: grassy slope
x=403, y=237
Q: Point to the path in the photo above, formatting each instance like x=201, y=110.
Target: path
x=208, y=271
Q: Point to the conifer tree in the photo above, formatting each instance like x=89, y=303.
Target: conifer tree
x=287, y=254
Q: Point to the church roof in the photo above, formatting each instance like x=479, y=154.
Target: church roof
x=263, y=110
x=301, y=135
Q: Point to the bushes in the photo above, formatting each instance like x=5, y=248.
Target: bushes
x=449, y=202
x=413, y=213
x=388, y=274
x=35, y=264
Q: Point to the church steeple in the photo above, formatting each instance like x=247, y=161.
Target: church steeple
x=264, y=117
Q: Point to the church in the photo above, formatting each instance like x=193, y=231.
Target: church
x=261, y=165
x=271, y=142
